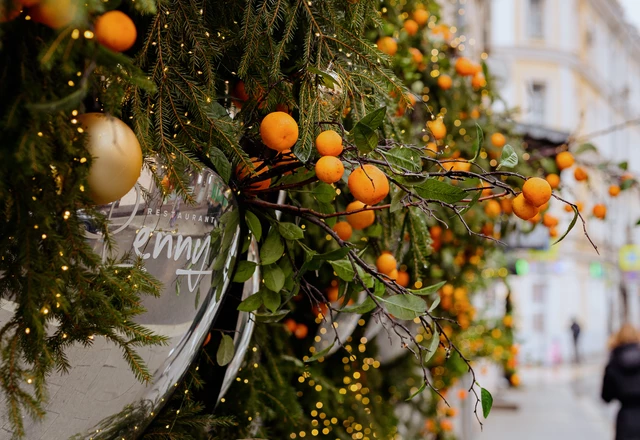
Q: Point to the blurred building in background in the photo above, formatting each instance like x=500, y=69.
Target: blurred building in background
x=572, y=68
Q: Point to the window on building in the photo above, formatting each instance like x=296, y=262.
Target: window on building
x=537, y=103
x=538, y=296
x=535, y=19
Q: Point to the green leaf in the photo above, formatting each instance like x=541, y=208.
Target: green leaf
x=477, y=144
x=270, y=317
x=433, y=344
x=365, y=307
x=244, y=271
x=487, y=402
x=272, y=248
x=366, y=278
x=374, y=119
x=623, y=165
x=365, y=138
x=509, y=157
x=324, y=193
x=290, y=231
x=420, y=390
x=343, y=269
x=271, y=299
x=420, y=241
x=627, y=184
x=405, y=159
x=327, y=79
x=405, y=307
x=221, y=163
x=251, y=303
x=254, y=225
x=374, y=231
x=434, y=189
x=396, y=201
x=378, y=287
x=571, y=225
x=429, y=289
x=638, y=222
x=226, y=350
x=273, y=279
x=472, y=203
x=434, y=304
x=584, y=148
x=321, y=353
x=337, y=254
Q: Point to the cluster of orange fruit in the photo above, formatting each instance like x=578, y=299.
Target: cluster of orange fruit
x=465, y=67
x=386, y=264
x=456, y=301
x=299, y=330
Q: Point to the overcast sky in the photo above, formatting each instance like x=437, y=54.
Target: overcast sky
x=632, y=7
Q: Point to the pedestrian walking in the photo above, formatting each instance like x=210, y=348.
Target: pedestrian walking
x=575, y=331
x=622, y=382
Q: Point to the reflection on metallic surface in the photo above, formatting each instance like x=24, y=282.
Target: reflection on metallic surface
x=190, y=247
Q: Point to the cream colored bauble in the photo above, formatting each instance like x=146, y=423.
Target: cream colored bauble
x=117, y=157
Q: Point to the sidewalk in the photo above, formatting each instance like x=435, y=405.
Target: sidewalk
x=553, y=404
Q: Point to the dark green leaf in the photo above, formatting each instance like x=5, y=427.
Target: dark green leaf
x=379, y=288
x=321, y=353
x=272, y=248
x=374, y=119
x=396, y=200
x=273, y=279
x=271, y=317
x=226, y=350
x=290, y=231
x=584, y=148
x=472, y=203
x=365, y=138
x=374, y=231
x=254, y=225
x=365, y=307
x=325, y=193
x=327, y=208
x=627, y=184
x=420, y=390
x=487, y=402
x=405, y=159
x=477, y=144
x=623, y=165
x=221, y=163
x=434, y=189
x=343, y=269
x=271, y=299
x=244, y=271
x=509, y=158
x=434, y=304
x=433, y=344
x=337, y=254
x=429, y=289
x=405, y=307
x=251, y=303
x=571, y=225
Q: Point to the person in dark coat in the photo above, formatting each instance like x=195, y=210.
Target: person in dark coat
x=622, y=382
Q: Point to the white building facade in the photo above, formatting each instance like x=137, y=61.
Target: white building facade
x=570, y=66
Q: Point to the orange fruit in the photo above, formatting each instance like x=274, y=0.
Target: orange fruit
x=553, y=180
x=506, y=205
x=444, y=30
x=242, y=173
x=498, y=140
x=8, y=13
x=564, y=160
x=544, y=207
x=279, y=131
x=549, y=220
x=411, y=27
x=368, y=184
x=478, y=81
x=437, y=128
x=329, y=143
x=600, y=211
x=464, y=66
x=462, y=394
x=329, y=169
x=446, y=425
x=291, y=325
x=240, y=94
x=416, y=55
x=393, y=274
x=627, y=176
x=421, y=16
x=403, y=278
x=515, y=380
x=28, y=3
x=301, y=331
x=431, y=146
x=207, y=339
x=115, y=31
x=580, y=174
x=568, y=208
x=614, y=190
x=387, y=45
x=522, y=208
x=492, y=208
x=536, y=218
x=445, y=82
x=386, y=263
x=362, y=219
x=458, y=166
x=343, y=229
x=487, y=229
x=54, y=13
x=537, y=191
x=475, y=113
x=333, y=293
x=553, y=232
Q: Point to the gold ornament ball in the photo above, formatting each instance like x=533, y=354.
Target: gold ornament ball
x=117, y=157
